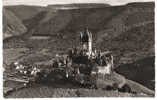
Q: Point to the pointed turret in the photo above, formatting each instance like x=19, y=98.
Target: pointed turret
x=86, y=41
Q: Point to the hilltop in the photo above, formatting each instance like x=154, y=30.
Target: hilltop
x=78, y=5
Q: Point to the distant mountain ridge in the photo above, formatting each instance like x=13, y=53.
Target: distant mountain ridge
x=94, y=16
x=12, y=25
x=111, y=20
x=24, y=12
x=78, y=6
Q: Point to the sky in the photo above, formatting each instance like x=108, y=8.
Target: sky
x=48, y=2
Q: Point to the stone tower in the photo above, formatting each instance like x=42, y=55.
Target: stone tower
x=86, y=41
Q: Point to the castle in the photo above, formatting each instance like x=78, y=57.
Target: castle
x=104, y=59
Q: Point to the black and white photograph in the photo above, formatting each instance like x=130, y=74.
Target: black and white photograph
x=78, y=48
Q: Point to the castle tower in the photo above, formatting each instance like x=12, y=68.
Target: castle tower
x=89, y=42
x=86, y=41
